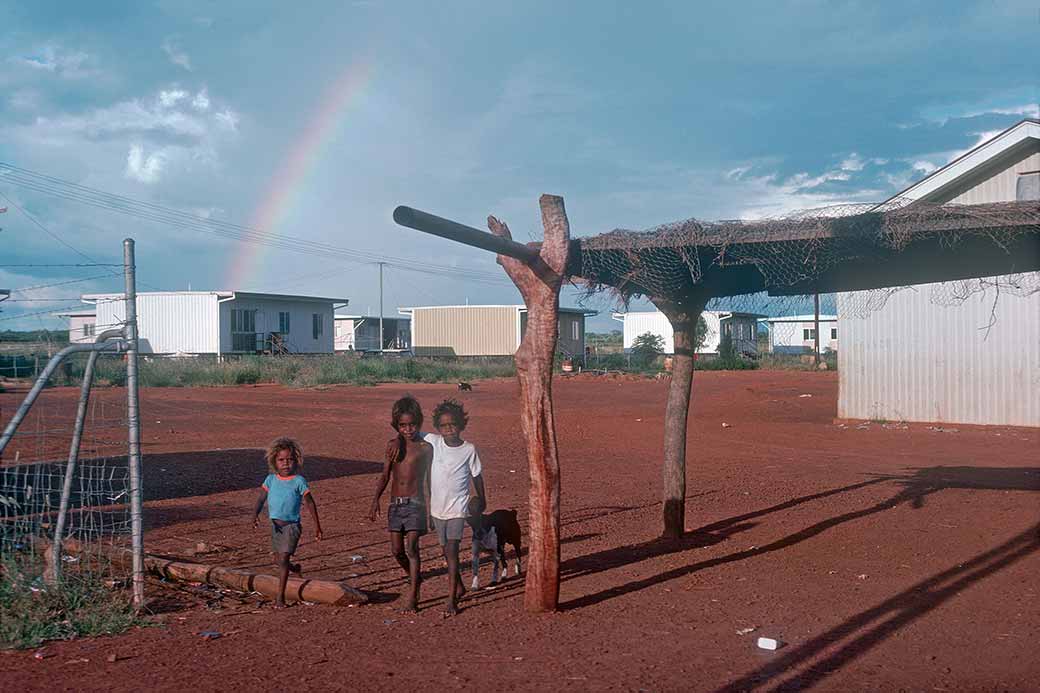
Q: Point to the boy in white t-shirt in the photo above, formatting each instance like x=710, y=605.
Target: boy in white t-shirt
x=455, y=462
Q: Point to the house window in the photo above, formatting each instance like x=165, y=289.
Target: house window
x=243, y=320
x=809, y=333
x=283, y=322
x=728, y=330
x=575, y=331
x=1028, y=187
x=317, y=325
x=834, y=333
x=88, y=329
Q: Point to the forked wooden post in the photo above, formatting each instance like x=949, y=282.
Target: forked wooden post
x=539, y=281
x=683, y=317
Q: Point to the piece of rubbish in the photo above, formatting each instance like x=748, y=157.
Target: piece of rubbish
x=512, y=471
x=769, y=643
x=638, y=419
x=805, y=395
x=113, y=657
x=862, y=576
x=69, y=559
x=42, y=653
x=745, y=631
x=726, y=425
x=81, y=660
x=357, y=558
x=209, y=635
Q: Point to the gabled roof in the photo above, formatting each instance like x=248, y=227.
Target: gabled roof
x=1023, y=134
x=225, y=295
x=517, y=306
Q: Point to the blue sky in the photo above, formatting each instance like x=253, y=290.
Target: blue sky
x=636, y=115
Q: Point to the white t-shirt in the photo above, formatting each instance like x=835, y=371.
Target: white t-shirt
x=450, y=473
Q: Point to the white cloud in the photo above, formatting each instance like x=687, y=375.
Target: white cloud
x=51, y=58
x=170, y=97
x=144, y=168
x=853, y=163
x=228, y=119
x=144, y=139
x=201, y=101
x=171, y=47
x=923, y=166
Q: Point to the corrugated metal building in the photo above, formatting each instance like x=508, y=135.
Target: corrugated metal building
x=974, y=362
x=486, y=330
x=742, y=327
x=224, y=322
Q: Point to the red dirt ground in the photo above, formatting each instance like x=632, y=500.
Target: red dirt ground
x=887, y=557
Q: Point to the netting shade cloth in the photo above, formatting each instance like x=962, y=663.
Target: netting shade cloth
x=831, y=249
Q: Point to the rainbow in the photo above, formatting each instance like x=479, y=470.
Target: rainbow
x=301, y=159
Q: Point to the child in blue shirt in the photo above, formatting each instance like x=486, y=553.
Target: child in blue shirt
x=284, y=490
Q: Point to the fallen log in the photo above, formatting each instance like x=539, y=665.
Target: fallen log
x=330, y=592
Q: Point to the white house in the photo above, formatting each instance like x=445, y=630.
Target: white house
x=742, y=327
x=932, y=354
x=225, y=322
x=796, y=334
x=361, y=333
x=81, y=326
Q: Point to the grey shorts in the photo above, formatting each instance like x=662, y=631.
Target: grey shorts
x=449, y=530
x=285, y=538
x=406, y=515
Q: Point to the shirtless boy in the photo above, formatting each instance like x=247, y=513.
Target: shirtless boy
x=407, y=468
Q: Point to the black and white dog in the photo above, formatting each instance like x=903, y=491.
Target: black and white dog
x=491, y=534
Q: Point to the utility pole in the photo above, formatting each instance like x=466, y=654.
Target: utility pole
x=816, y=329
x=380, y=306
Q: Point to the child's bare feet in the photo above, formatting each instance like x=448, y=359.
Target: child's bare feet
x=279, y=604
x=451, y=610
x=410, y=607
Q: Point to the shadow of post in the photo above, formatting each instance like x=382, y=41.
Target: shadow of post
x=916, y=487
x=898, y=611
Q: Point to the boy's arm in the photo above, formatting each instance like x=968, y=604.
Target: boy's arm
x=478, y=486
x=428, y=485
x=308, y=498
x=384, y=478
x=261, y=499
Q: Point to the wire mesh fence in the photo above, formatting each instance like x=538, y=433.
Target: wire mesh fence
x=33, y=475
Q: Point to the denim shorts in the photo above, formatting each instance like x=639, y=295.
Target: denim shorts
x=406, y=515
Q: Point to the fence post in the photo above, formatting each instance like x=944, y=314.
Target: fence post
x=133, y=422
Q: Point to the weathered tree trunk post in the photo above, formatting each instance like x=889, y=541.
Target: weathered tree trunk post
x=683, y=317
x=539, y=282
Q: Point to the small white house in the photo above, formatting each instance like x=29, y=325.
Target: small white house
x=361, y=333
x=796, y=334
x=741, y=327
x=82, y=328
x=225, y=322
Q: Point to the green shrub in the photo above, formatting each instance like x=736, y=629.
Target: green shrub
x=32, y=612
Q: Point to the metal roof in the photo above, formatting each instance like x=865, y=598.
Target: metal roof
x=227, y=295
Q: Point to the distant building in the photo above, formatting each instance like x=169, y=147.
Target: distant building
x=82, y=328
x=975, y=358
x=361, y=333
x=486, y=330
x=741, y=327
x=225, y=322
x=796, y=334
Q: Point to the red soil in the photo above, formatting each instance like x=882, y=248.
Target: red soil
x=886, y=556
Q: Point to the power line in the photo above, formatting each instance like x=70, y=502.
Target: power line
x=148, y=211
x=63, y=283
x=81, y=264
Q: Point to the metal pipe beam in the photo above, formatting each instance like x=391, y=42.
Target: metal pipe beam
x=41, y=382
x=460, y=233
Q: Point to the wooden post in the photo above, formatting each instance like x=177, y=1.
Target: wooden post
x=683, y=317
x=539, y=280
